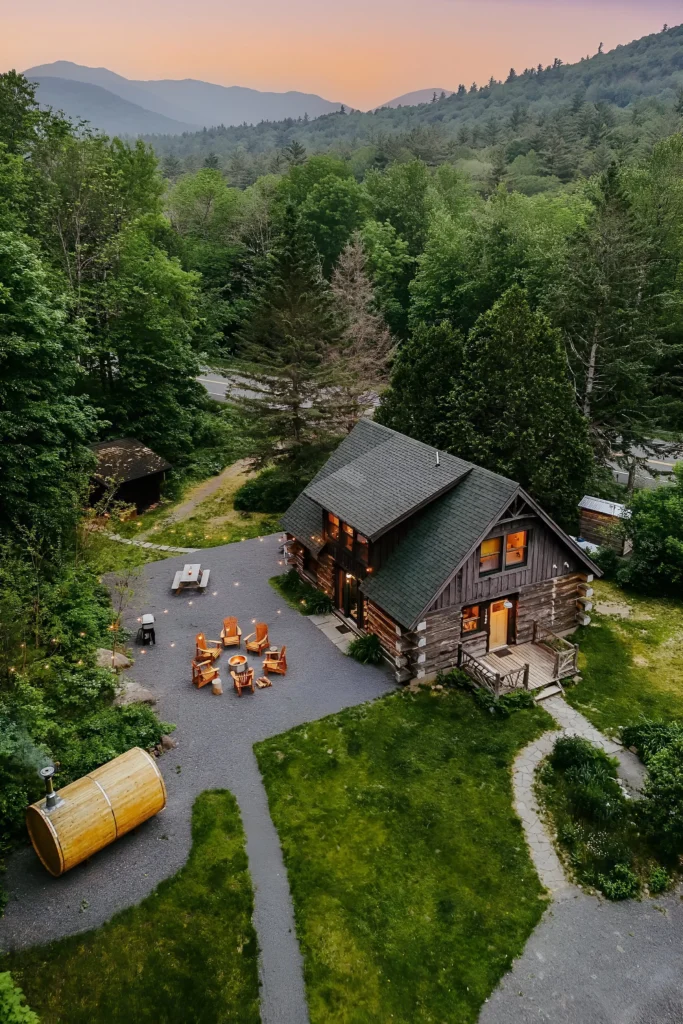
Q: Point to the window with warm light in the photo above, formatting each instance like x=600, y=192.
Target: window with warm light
x=515, y=549
x=332, y=526
x=472, y=619
x=362, y=548
x=491, y=556
x=348, y=536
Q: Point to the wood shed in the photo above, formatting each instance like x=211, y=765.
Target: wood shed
x=136, y=471
x=92, y=812
x=602, y=521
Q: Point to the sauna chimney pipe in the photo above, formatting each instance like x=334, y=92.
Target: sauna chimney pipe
x=52, y=800
x=438, y=459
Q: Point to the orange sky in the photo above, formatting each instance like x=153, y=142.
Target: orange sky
x=362, y=52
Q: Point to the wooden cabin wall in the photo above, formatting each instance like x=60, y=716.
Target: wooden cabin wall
x=599, y=528
x=552, y=603
x=545, y=551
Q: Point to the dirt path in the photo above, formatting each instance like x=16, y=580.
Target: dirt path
x=196, y=496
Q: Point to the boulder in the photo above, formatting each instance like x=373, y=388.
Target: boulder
x=132, y=692
x=105, y=660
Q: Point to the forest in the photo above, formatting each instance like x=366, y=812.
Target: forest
x=536, y=330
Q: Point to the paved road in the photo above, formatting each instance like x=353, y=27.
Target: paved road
x=657, y=469
x=215, y=737
x=224, y=388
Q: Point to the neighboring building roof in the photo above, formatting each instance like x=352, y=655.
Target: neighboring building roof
x=441, y=539
x=126, y=459
x=386, y=482
x=606, y=508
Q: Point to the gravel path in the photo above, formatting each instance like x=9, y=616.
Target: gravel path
x=198, y=495
x=215, y=737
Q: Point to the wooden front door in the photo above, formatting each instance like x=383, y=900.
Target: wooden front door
x=498, y=625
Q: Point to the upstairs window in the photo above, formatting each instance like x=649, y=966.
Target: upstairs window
x=491, y=556
x=348, y=536
x=332, y=526
x=362, y=547
x=472, y=619
x=515, y=549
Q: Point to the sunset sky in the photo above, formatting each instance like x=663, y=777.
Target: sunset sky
x=362, y=52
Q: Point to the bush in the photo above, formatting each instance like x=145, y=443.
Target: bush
x=272, y=491
x=662, y=806
x=573, y=752
x=658, y=881
x=656, y=529
x=651, y=737
x=620, y=884
x=366, y=649
x=608, y=560
x=302, y=595
x=13, y=1009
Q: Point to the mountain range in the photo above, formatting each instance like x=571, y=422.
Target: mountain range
x=121, y=106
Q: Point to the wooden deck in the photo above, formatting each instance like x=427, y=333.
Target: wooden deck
x=541, y=663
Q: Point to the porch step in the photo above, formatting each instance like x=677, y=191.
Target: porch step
x=551, y=690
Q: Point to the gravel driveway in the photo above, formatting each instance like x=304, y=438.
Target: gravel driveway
x=215, y=737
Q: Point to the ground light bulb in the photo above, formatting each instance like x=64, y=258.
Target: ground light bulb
x=189, y=602
x=215, y=592
x=172, y=645
x=165, y=611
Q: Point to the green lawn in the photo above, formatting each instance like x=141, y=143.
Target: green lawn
x=186, y=955
x=412, y=885
x=632, y=667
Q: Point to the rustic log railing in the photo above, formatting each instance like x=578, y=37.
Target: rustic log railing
x=495, y=682
x=565, y=653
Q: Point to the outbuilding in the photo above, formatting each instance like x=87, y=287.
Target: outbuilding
x=602, y=523
x=134, y=470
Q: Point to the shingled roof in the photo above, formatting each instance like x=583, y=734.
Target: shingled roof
x=126, y=459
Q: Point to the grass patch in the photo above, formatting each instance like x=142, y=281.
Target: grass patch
x=186, y=955
x=632, y=668
x=412, y=885
x=301, y=595
x=601, y=836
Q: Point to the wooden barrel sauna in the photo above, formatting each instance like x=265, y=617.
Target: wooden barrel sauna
x=95, y=810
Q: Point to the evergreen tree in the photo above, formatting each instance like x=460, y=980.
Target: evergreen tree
x=44, y=458
x=290, y=338
x=512, y=408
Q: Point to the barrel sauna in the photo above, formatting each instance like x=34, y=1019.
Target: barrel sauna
x=95, y=810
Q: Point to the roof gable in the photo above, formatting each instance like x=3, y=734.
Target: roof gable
x=386, y=482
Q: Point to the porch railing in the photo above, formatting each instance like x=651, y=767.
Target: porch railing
x=565, y=653
x=495, y=682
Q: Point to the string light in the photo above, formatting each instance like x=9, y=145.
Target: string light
x=80, y=634
x=189, y=602
x=214, y=593
x=278, y=611
x=165, y=611
x=143, y=652
x=236, y=584
x=173, y=645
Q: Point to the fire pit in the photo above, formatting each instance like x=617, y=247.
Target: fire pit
x=238, y=663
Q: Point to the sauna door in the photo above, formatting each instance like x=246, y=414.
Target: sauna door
x=498, y=625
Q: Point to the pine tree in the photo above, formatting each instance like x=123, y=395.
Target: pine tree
x=290, y=337
x=512, y=408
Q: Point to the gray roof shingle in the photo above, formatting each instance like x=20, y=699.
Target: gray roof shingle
x=126, y=459
x=386, y=482
x=442, y=537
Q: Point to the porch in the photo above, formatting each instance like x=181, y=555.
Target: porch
x=545, y=660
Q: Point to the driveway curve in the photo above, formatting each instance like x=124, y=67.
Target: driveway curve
x=215, y=738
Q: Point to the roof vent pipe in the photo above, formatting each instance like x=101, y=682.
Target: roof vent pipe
x=52, y=799
x=438, y=459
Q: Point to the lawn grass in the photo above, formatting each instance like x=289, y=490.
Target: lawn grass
x=186, y=955
x=412, y=885
x=631, y=668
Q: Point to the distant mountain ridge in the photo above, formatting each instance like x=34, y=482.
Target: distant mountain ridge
x=415, y=99
x=166, y=106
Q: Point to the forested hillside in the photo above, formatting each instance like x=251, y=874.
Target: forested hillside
x=541, y=128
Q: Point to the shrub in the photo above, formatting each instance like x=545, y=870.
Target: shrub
x=13, y=1009
x=608, y=560
x=662, y=806
x=272, y=491
x=658, y=881
x=366, y=649
x=651, y=737
x=620, y=884
x=656, y=529
x=573, y=752
x=307, y=599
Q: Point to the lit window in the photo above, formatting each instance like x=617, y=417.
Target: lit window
x=490, y=558
x=332, y=526
x=515, y=549
x=348, y=536
x=471, y=619
x=362, y=548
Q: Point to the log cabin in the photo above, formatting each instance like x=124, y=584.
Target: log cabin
x=447, y=563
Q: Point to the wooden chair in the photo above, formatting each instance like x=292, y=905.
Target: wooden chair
x=207, y=649
x=243, y=681
x=203, y=672
x=260, y=640
x=231, y=634
x=278, y=664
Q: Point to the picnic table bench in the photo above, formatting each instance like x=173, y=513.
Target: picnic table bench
x=192, y=575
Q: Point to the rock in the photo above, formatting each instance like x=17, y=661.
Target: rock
x=133, y=692
x=119, y=661
x=168, y=743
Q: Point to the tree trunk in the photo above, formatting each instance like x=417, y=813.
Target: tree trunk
x=590, y=376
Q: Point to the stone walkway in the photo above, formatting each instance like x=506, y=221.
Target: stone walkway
x=137, y=542
x=334, y=629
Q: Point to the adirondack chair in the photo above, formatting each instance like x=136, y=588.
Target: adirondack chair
x=243, y=681
x=231, y=634
x=277, y=664
x=257, y=641
x=207, y=649
x=203, y=672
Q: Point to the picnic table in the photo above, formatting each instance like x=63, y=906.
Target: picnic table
x=192, y=575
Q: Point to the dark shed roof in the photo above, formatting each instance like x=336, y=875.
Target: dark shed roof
x=386, y=482
x=126, y=459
